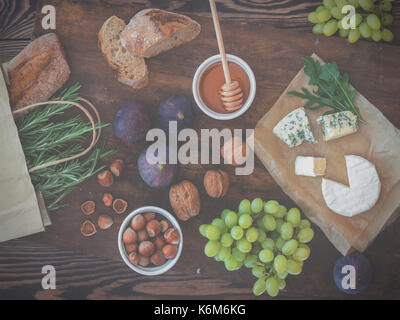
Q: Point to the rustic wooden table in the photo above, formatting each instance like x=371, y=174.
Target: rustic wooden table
x=83, y=276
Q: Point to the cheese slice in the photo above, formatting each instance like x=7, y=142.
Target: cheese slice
x=363, y=191
x=337, y=125
x=310, y=166
x=294, y=128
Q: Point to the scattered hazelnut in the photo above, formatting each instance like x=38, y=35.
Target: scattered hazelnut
x=216, y=183
x=105, y=222
x=117, y=167
x=119, y=206
x=138, y=222
x=146, y=248
x=171, y=236
x=88, y=207
x=153, y=228
x=185, y=200
x=144, y=261
x=170, y=251
x=129, y=236
x=108, y=199
x=133, y=258
x=165, y=225
x=159, y=242
x=157, y=258
x=149, y=216
x=131, y=247
x=88, y=229
x=234, y=151
x=105, y=178
x=142, y=235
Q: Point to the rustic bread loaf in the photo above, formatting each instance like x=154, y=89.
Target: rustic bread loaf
x=132, y=70
x=37, y=72
x=152, y=31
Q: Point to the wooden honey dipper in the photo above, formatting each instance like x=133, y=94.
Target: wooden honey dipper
x=231, y=93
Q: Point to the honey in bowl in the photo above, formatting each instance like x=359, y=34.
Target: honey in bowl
x=212, y=80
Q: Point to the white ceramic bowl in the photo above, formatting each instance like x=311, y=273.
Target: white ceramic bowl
x=196, y=91
x=149, y=271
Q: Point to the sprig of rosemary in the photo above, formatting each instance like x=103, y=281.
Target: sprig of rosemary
x=45, y=140
x=332, y=88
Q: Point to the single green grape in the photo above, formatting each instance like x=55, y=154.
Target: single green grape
x=344, y=34
x=269, y=222
x=319, y=8
x=318, y=28
x=336, y=13
x=280, y=263
x=354, y=3
x=202, y=230
x=324, y=15
x=279, y=243
x=386, y=5
x=354, y=35
x=279, y=223
x=212, y=232
x=258, y=271
x=330, y=28
x=268, y=243
x=251, y=261
x=289, y=247
x=365, y=30
x=312, y=17
x=252, y=234
x=245, y=221
x=304, y=223
x=257, y=205
x=271, y=207
x=376, y=35
x=226, y=240
x=294, y=217
x=366, y=4
x=282, y=211
x=224, y=213
x=244, y=206
x=220, y=224
x=223, y=253
x=231, y=264
x=238, y=255
x=231, y=219
x=286, y=231
x=281, y=283
x=272, y=287
x=294, y=267
x=259, y=287
x=305, y=235
x=387, y=19
x=244, y=245
x=387, y=35
x=359, y=19
x=341, y=3
x=211, y=249
x=261, y=235
x=302, y=253
x=266, y=255
x=329, y=3
x=282, y=275
x=373, y=22
x=237, y=233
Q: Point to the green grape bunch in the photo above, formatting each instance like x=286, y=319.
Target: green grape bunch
x=372, y=19
x=262, y=236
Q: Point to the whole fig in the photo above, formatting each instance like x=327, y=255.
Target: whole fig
x=176, y=108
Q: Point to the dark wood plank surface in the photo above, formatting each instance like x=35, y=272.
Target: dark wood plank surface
x=316, y=280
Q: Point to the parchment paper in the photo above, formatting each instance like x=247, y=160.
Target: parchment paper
x=19, y=210
x=378, y=141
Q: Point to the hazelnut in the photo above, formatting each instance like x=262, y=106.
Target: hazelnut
x=119, y=206
x=143, y=235
x=216, y=183
x=144, y=261
x=157, y=258
x=153, y=228
x=108, y=199
x=172, y=236
x=170, y=251
x=234, y=151
x=138, y=222
x=88, y=229
x=185, y=200
x=105, y=222
x=105, y=178
x=146, y=248
x=131, y=247
x=129, y=236
x=88, y=207
x=133, y=258
x=165, y=225
x=149, y=216
x=159, y=242
x=117, y=167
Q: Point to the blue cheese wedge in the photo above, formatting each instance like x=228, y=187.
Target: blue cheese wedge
x=294, y=128
x=338, y=125
x=310, y=166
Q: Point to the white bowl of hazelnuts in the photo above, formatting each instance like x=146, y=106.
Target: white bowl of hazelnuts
x=150, y=241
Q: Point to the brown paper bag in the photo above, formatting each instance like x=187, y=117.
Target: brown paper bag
x=378, y=141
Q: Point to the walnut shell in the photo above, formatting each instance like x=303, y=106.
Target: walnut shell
x=216, y=183
x=185, y=200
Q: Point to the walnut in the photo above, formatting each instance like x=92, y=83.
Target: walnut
x=216, y=183
x=185, y=200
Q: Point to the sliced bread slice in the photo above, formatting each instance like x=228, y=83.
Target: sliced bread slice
x=132, y=70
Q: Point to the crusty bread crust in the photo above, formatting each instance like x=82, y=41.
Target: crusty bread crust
x=152, y=31
x=37, y=72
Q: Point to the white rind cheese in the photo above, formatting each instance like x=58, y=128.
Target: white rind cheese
x=337, y=125
x=294, y=129
x=361, y=195
x=310, y=166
